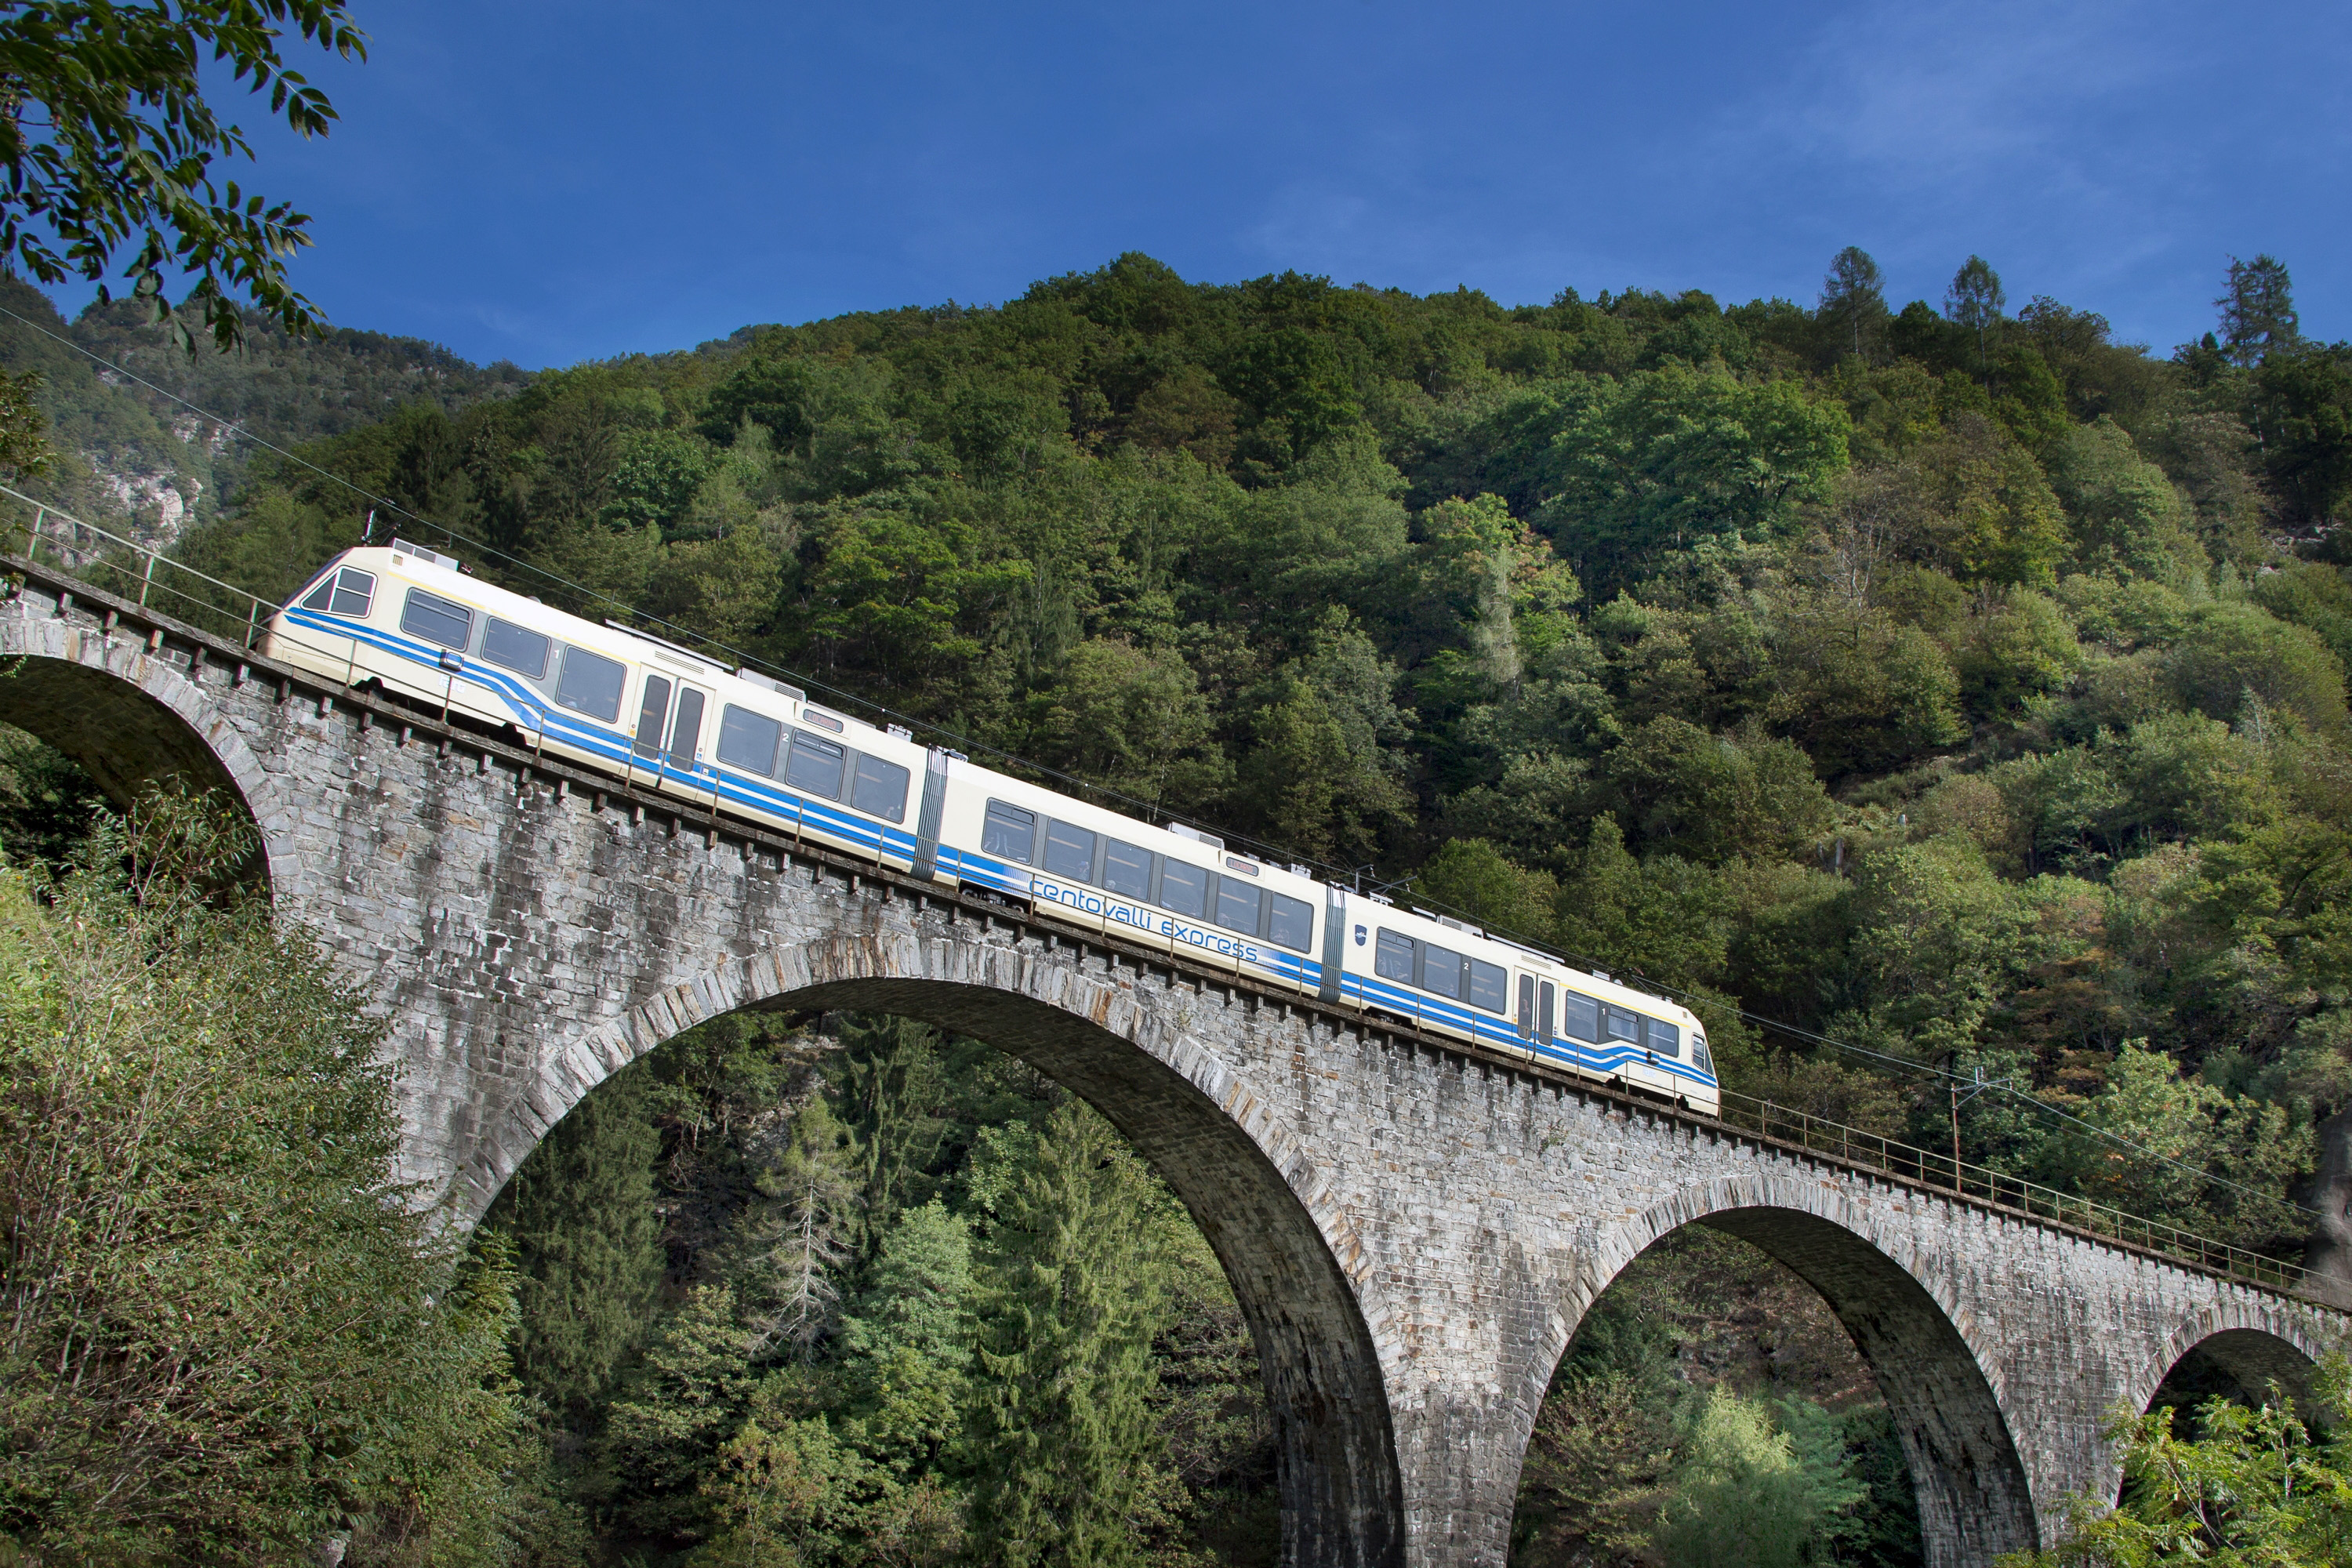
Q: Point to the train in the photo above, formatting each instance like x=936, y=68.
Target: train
x=659, y=716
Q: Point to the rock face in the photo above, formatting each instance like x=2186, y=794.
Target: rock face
x=2329, y=1256
x=1413, y=1232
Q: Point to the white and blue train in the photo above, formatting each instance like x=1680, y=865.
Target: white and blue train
x=664, y=718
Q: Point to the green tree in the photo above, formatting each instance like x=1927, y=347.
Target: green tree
x=678, y=1403
x=2257, y=308
x=1305, y=788
x=24, y=429
x=1133, y=719
x=2230, y=652
x=229, y=1332
x=2302, y=413
x=122, y=151
x=1710, y=797
x=1671, y=458
x=888, y=1080
x=588, y=1247
x=917, y=1296
x=1065, y=1445
x=1472, y=877
x=2126, y=514
x=1974, y=300
x=1749, y=1493
x=2166, y=1132
x=1852, y=308
x=2252, y=1487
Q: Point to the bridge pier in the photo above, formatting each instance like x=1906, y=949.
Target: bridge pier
x=1413, y=1232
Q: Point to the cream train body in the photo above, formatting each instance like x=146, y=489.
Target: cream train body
x=732, y=741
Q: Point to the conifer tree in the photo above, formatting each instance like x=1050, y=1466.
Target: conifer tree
x=1064, y=1430
x=890, y=1079
x=1853, y=302
x=2257, y=311
x=1974, y=300
x=588, y=1237
x=797, y=1235
x=684, y=1399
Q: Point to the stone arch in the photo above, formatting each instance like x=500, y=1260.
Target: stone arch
x=132, y=718
x=1920, y=1341
x=2240, y=1344
x=1303, y=1278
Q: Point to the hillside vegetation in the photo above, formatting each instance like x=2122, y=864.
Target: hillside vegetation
x=1953, y=684
x=130, y=458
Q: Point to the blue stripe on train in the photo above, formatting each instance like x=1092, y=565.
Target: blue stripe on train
x=613, y=747
x=1605, y=1059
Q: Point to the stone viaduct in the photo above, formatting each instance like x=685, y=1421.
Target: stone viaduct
x=1413, y=1232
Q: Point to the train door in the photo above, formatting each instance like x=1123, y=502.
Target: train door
x=668, y=741
x=1539, y=1014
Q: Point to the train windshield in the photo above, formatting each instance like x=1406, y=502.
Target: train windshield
x=347, y=591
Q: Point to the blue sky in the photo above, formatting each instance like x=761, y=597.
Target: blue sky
x=554, y=183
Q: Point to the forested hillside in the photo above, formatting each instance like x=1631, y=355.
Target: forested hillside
x=130, y=458
x=1949, y=689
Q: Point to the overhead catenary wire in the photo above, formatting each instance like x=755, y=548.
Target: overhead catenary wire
x=1152, y=810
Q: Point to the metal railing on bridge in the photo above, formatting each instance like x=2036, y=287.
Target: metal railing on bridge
x=144, y=576
x=1982, y=1184
x=137, y=572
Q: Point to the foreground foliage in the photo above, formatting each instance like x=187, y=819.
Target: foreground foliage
x=2251, y=1489
x=224, y=1333
x=121, y=152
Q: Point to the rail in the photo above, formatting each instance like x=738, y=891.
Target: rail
x=142, y=575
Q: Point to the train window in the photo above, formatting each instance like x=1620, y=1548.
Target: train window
x=1127, y=870
x=1662, y=1038
x=1441, y=971
x=1009, y=831
x=1237, y=906
x=686, y=731
x=1580, y=1019
x=652, y=709
x=510, y=647
x=349, y=592
x=590, y=684
x=1543, y=1016
x=314, y=595
x=746, y=740
x=1617, y=1023
x=1392, y=959
x=1489, y=987
x=1183, y=888
x=1290, y=922
x=1069, y=852
x=814, y=766
x=1526, y=1003
x=880, y=789
x=436, y=619
x=1700, y=1058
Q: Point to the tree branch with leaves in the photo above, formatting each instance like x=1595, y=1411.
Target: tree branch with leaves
x=107, y=148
